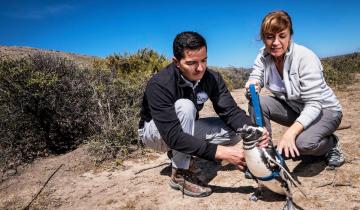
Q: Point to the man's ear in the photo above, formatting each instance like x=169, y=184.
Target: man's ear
x=176, y=61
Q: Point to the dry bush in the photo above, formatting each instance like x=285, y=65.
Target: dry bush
x=50, y=104
x=235, y=78
x=118, y=85
x=45, y=107
x=339, y=71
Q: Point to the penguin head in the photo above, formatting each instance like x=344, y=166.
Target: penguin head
x=250, y=133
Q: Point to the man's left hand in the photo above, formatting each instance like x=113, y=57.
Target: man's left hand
x=264, y=139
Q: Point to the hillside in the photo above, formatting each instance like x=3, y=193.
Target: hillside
x=18, y=52
x=234, y=76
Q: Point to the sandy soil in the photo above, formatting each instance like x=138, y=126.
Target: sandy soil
x=78, y=184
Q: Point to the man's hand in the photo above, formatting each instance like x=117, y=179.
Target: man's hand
x=233, y=154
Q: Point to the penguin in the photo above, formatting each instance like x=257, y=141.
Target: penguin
x=267, y=167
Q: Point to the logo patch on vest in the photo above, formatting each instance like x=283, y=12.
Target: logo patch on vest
x=202, y=97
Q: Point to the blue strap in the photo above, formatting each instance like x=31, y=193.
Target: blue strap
x=275, y=173
x=256, y=105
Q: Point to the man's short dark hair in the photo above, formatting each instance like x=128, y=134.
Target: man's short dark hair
x=187, y=40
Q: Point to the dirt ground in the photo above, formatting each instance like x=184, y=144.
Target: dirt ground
x=142, y=182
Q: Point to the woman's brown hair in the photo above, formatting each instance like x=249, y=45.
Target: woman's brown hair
x=275, y=22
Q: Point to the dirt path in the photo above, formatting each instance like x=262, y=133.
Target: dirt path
x=79, y=185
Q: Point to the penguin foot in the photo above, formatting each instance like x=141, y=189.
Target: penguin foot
x=289, y=205
x=258, y=194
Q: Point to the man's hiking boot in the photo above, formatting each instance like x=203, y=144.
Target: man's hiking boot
x=188, y=183
x=335, y=157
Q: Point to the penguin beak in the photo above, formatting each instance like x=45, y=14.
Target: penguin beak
x=250, y=132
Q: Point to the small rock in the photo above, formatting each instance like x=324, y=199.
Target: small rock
x=10, y=172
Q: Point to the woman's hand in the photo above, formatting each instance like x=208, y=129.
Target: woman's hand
x=287, y=141
x=255, y=82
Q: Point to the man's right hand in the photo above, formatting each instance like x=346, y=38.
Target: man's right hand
x=232, y=154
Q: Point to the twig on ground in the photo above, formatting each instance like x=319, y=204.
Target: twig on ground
x=329, y=183
x=343, y=185
x=37, y=194
x=352, y=160
x=343, y=127
x=333, y=184
x=145, y=169
x=235, y=183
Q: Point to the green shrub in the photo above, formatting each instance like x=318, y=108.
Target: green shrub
x=143, y=63
x=118, y=87
x=45, y=107
x=339, y=71
x=234, y=78
x=50, y=104
x=117, y=104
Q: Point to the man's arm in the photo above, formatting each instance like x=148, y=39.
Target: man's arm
x=162, y=106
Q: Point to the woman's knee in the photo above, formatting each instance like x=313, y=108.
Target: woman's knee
x=264, y=103
x=307, y=145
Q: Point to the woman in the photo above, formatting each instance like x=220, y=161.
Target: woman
x=302, y=100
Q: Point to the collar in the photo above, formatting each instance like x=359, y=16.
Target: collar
x=189, y=83
x=290, y=49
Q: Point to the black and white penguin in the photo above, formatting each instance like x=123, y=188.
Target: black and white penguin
x=267, y=167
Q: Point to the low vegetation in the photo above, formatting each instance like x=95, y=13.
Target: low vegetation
x=50, y=104
x=339, y=70
x=45, y=107
x=235, y=78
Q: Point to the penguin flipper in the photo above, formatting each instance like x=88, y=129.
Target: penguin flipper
x=290, y=205
x=283, y=170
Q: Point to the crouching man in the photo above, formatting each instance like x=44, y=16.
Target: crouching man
x=170, y=115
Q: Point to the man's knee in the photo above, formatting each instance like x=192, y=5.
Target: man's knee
x=185, y=109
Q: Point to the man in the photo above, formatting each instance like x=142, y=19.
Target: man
x=170, y=111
